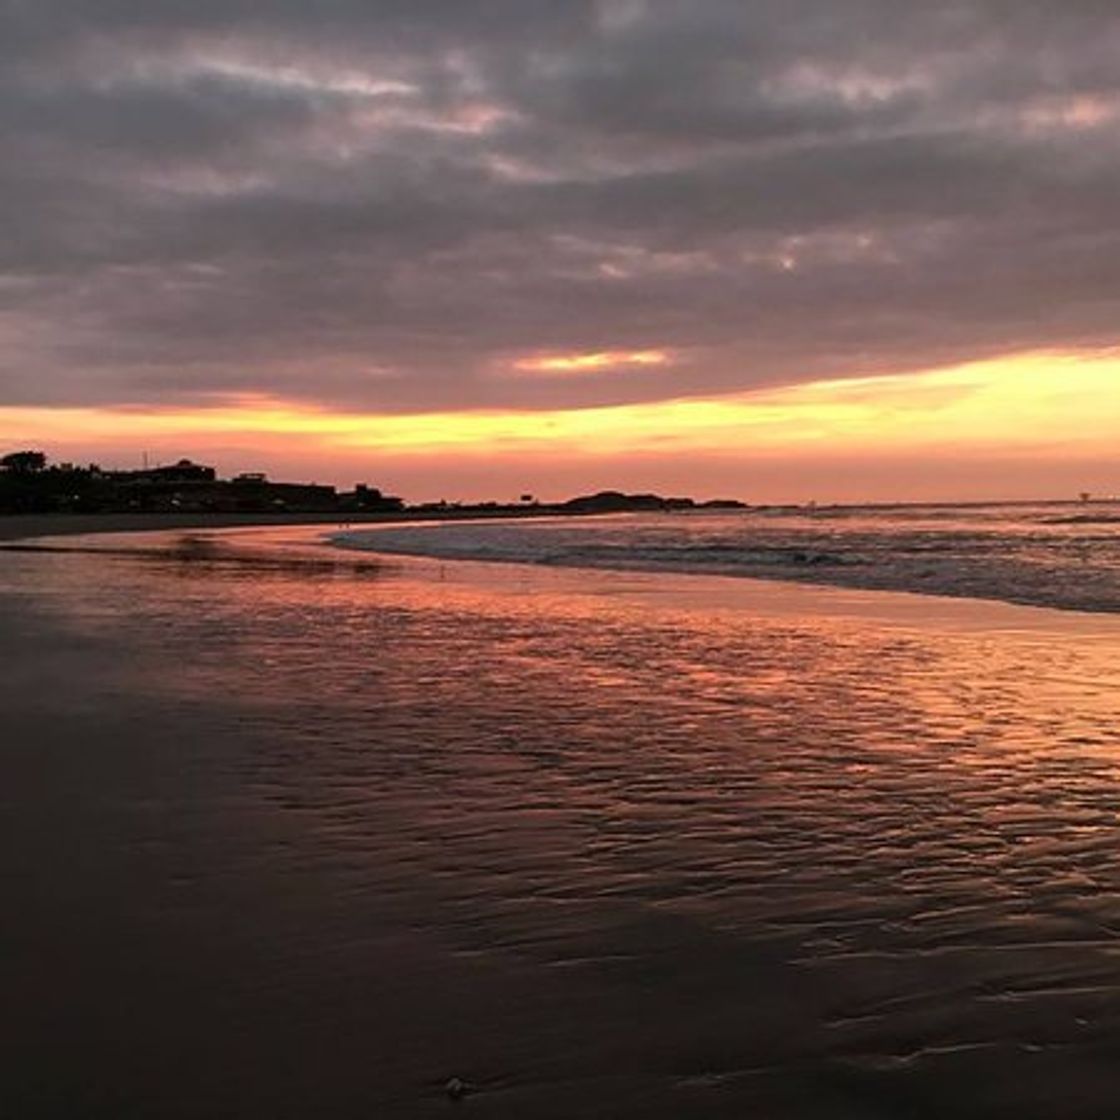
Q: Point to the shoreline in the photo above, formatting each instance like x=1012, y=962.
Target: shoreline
x=25, y=526
x=709, y=591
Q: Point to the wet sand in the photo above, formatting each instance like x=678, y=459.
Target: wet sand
x=22, y=526
x=291, y=833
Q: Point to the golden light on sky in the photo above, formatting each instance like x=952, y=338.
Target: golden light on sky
x=396, y=245
x=595, y=362
x=1041, y=408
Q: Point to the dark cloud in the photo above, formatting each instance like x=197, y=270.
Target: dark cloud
x=386, y=204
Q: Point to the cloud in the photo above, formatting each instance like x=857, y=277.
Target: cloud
x=567, y=365
x=375, y=204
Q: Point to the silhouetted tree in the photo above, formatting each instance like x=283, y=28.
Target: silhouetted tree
x=24, y=462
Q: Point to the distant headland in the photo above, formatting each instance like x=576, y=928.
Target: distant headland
x=30, y=484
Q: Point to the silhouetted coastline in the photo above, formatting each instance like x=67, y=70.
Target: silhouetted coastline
x=37, y=497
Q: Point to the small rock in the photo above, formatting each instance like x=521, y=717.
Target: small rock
x=456, y=1088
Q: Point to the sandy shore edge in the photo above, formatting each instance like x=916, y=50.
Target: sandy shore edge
x=21, y=526
x=690, y=591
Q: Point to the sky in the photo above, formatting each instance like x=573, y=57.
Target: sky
x=810, y=249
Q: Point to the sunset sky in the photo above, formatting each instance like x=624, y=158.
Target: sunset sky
x=831, y=249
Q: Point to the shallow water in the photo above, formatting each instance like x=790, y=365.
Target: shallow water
x=1054, y=555
x=291, y=831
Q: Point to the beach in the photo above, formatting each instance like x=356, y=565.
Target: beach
x=292, y=830
x=21, y=526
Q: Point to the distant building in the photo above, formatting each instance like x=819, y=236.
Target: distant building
x=182, y=471
x=369, y=499
x=28, y=486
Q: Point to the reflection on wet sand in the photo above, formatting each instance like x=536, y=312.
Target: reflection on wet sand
x=204, y=551
x=587, y=846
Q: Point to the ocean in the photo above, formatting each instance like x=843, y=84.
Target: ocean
x=1052, y=555
x=293, y=824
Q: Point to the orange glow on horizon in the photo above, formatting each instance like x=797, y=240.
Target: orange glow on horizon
x=1037, y=408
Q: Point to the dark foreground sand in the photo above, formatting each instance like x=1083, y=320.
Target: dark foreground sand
x=296, y=839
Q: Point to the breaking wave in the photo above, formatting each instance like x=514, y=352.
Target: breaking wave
x=1030, y=555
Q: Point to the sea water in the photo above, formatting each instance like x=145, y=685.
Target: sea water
x=1055, y=555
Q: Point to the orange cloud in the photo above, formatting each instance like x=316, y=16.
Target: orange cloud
x=1050, y=408
x=594, y=362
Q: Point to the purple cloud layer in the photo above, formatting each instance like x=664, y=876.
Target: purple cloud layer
x=386, y=205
